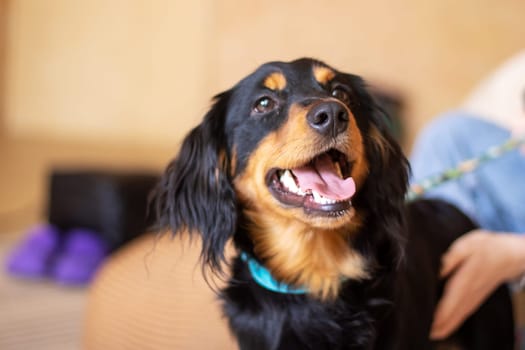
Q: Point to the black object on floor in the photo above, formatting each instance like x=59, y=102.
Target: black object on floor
x=110, y=203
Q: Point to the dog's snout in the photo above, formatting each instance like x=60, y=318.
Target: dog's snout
x=329, y=118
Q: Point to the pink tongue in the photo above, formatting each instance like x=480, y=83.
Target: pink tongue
x=323, y=179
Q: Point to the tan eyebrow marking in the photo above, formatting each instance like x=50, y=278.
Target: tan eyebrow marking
x=323, y=74
x=275, y=81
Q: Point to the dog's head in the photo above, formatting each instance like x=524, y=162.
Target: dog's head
x=297, y=163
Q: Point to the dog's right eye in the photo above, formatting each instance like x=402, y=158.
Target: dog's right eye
x=341, y=94
x=263, y=105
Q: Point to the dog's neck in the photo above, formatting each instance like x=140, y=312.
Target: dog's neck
x=264, y=278
x=304, y=256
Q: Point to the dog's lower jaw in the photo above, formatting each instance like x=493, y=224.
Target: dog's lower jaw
x=302, y=256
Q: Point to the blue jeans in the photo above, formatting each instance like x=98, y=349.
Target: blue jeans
x=493, y=196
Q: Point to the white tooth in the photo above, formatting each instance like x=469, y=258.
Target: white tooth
x=317, y=197
x=289, y=182
x=300, y=191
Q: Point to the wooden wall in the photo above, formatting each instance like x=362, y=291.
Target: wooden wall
x=134, y=71
x=3, y=35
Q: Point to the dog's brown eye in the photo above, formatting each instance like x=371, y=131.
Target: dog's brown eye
x=341, y=94
x=263, y=105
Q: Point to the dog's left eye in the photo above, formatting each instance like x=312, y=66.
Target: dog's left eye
x=263, y=105
x=341, y=94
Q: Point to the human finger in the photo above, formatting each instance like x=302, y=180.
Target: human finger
x=454, y=256
x=455, y=304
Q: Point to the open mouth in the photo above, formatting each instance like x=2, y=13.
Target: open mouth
x=323, y=186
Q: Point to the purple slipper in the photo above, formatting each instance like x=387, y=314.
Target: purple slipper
x=33, y=256
x=83, y=252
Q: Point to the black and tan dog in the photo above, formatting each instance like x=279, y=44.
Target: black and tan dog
x=295, y=164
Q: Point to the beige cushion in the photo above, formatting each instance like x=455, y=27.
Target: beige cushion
x=151, y=295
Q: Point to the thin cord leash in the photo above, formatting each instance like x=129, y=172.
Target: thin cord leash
x=418, y=189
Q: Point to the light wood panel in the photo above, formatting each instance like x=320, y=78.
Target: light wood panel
x=433, y=51
x=130, y=71
x=143, y=72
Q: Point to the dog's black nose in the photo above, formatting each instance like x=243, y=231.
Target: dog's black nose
x=328, y=118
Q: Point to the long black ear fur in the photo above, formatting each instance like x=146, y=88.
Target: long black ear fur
x=196, y=193
x=386, y=185
x=389, y=173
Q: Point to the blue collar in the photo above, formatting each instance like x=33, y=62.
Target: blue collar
x=263, y=277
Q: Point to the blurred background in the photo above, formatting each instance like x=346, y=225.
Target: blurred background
x=115, y=84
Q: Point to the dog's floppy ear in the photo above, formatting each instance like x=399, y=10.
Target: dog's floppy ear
x=385, y=189
x=389, y=173
x=390, y=163
x=196, y=192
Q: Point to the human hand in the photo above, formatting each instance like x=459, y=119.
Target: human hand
x=477, y=263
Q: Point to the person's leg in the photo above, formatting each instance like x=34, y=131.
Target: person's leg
x=494, y=194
